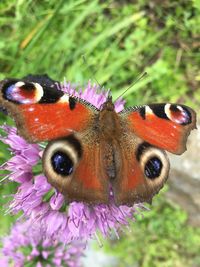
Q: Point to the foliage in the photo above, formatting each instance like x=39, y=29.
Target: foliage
x=120, y=39
x=161, y=238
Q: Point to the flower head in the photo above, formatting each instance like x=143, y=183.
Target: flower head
x=26, y=244
x=40, y=202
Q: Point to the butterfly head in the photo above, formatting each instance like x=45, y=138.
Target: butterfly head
x=108, y=105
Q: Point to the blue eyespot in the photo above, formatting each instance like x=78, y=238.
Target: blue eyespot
x=62, y=164
x=153, y=168
x=9, y=92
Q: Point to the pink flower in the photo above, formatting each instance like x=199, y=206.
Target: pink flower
x=40, y=202
x=26, y=245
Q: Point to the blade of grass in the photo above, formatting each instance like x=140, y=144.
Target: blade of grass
x=37, y=37
x=110, y=31
x=65, y=35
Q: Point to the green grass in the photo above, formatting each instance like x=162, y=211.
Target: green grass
x=161, y=238
x=120, y=40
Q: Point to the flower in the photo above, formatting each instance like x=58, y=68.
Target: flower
x=26, y=245
x=40, y=202
x=91, y=94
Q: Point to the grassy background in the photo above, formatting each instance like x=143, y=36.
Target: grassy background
x=120, y=40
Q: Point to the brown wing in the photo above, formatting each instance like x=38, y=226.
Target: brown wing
x=85, y=178
x=142, y=171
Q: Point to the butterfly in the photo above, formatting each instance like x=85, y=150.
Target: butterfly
x=92, y=152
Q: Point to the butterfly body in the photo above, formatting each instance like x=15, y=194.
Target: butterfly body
x=95, y=154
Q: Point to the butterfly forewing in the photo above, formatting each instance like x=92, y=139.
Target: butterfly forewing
x=166, y=126
x=44, y=113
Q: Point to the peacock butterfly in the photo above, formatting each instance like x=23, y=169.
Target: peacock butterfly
x=92, y=150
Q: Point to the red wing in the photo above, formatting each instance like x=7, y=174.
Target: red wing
x=43, y=112
x=166, y=126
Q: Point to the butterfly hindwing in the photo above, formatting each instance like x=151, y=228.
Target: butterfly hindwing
x=73, y=165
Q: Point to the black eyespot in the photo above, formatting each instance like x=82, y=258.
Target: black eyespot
x=61, y=163
x=153, y=168
x=28, y=87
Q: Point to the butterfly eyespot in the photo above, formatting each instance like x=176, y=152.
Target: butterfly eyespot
x=22, y=92
x=62, y=164
x=153, y=161
x=178, y=114
x=153, y=168
x=60, y=160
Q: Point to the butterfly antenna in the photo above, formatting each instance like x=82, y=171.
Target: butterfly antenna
x=137, y=80
x=92, y=72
